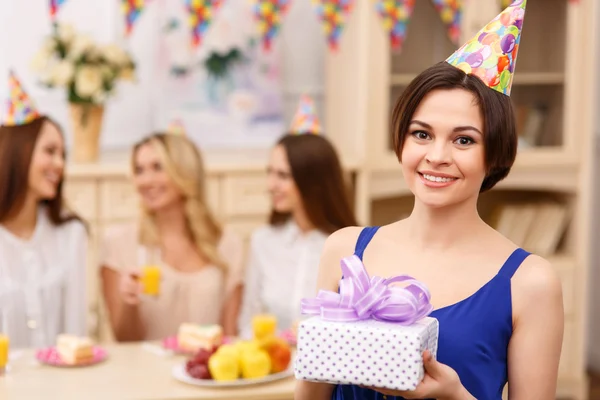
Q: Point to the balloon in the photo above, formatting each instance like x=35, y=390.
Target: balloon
x=502, y=63
x=504, y=78
x=465, y=67
x=490, y=38
x=474, y=59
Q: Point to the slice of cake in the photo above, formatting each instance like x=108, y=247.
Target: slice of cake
x=74, y=349
x=193, y=337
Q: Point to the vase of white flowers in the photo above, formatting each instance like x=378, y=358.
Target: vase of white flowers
x=89, y=73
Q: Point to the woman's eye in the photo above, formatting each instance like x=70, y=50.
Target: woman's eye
x=421, y=135
x=464, y=141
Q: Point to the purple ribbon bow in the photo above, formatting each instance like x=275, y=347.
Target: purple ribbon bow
x=361, y=297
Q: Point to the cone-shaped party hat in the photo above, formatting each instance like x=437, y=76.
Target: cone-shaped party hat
x=20, y=109
x=176, y=128
x=492, y=54
x=306, y=120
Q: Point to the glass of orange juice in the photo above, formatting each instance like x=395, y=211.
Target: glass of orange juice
x=4, y=345
x=264, y=325
x=150, y=280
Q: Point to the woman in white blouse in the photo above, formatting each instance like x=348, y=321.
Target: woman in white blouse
x=42, y=245
x=309, y=202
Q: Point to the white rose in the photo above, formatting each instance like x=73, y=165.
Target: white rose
x=127, y=74
x=107, y=72
x=49, y=45
x=41, y=61
x=88, y=81
x=99, y=97
x=81, y=44
x=115, y=55
x=62, y=73
x=66, y=33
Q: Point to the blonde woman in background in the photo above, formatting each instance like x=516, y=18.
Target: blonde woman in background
x=200, y=263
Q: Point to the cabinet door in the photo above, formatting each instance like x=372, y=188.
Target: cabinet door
x=81, y=196
x=119, y=200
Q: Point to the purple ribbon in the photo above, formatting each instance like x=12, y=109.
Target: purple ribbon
x=361, y=297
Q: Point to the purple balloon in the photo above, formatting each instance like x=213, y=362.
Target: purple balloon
x=507, y=44
x=474, y=59
x=519, y=23
x=481, y=37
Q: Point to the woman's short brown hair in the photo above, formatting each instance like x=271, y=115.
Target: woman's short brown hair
x=317, y=172
x=500, y=136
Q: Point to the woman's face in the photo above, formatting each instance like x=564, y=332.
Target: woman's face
x=154, y=185
x=285, y=195
x=47, y=163
x=443, y=158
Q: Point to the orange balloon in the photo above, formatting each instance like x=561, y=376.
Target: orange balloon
x=490, y=38
x=502, y=63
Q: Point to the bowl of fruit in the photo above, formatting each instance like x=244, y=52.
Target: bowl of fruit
x=265, y=358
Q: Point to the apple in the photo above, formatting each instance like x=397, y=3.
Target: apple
x=224, y=366
x=255, y=364
x=279, y=352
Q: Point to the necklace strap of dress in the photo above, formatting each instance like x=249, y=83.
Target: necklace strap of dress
x=513, y=263
x=363, y=240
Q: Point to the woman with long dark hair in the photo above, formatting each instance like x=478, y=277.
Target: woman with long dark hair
x=309, y=202
x=42, y=243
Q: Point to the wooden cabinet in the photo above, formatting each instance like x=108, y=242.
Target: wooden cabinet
x=553, y=97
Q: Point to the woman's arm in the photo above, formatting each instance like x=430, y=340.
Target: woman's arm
x=231, y=310
x=251, y=301
x=232, y=250
x=76, y=299
x=340, y=244
x=538, y=323
x=125, y=318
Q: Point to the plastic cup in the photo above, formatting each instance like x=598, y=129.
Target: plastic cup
x=4, y=346
x=150, y=280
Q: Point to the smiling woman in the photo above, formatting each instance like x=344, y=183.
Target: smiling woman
x=42, y=244
x=454, y=135
x=198, y=263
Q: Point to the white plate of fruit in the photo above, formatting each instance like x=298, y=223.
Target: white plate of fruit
x=238, y=364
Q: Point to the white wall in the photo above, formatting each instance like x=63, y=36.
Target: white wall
x=130, y=115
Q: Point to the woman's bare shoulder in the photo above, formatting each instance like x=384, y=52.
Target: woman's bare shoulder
x=536, y=288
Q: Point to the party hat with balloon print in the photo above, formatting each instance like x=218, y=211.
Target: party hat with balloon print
x=306, y=120
x=492, y=54
x=20, y=109
x=176, y=128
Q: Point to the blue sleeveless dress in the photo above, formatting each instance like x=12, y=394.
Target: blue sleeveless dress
x=473, y=337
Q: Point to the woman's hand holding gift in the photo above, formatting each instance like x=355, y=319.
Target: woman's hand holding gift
x=440, y=382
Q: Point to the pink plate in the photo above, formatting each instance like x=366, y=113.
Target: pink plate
x=50, y=356
x=289, y=336
x=171, y=343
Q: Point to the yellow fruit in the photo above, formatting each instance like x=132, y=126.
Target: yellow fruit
x=247, y=345
x=264, y=325
x=255, y=364
x=229, y=350
x=224, y=367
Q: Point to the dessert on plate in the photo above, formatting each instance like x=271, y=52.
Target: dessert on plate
x=74, y=349
x=194, y=337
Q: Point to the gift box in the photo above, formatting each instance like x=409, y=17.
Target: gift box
x=370, y=333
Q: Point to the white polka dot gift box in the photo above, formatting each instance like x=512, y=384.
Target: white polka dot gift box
x=371, y=333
